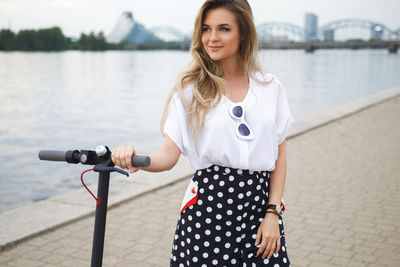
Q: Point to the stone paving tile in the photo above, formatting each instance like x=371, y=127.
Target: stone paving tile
x=24, y=262
x=342, y=205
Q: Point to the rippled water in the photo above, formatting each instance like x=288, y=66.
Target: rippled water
x=78, y=100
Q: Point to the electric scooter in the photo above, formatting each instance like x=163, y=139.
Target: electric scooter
x=101, y=159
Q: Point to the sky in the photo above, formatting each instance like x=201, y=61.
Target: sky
x=77, y=16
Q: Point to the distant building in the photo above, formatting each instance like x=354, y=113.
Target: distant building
x=311, y=27
x=123, y=26
x=329, y=35
x=127, y=29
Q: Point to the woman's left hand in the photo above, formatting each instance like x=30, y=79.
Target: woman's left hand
x=268, y=234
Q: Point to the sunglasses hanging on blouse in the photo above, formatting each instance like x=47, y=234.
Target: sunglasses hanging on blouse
x=242, y=128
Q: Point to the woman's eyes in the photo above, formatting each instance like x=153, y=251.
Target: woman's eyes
x=223, y=29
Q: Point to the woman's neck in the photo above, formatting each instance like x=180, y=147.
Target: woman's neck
x=231, y=68
x=237, y=81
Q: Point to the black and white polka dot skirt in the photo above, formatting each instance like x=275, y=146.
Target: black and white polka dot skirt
x=220, y=228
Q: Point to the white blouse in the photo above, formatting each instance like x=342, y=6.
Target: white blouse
x=266, y=111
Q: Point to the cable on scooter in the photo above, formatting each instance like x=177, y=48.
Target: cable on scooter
x=98, y=201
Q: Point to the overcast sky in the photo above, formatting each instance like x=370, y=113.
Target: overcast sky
x=76, y=16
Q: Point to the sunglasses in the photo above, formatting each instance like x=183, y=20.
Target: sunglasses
x=242, y=130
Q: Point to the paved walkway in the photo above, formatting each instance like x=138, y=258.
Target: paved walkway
x=342, y=194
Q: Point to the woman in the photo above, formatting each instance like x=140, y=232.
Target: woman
x=230, y=119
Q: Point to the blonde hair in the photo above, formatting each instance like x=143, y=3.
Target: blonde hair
x=204, y=73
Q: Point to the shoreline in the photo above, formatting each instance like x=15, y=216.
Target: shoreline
x=34, y=219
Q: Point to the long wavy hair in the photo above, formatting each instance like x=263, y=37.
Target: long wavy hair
x=204, y=73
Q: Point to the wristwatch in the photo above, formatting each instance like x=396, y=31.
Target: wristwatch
x=276, y=208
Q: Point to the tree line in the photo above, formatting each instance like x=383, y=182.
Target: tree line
x=53, y=39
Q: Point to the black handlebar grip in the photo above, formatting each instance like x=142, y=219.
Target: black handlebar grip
x=53, y=155
x=140, y=161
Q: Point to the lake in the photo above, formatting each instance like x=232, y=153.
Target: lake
x=79, y=100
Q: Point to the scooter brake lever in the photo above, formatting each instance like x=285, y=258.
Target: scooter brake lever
x=102, y=168
x=121, y=171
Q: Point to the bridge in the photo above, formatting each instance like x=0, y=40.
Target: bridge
x=280, y=31
x=344, y=29
x=168, y=34
x=343, y=33
x=377, y=31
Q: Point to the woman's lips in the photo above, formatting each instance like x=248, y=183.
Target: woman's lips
x=215, y=48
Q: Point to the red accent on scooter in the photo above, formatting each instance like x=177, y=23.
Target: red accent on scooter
x=98, y=202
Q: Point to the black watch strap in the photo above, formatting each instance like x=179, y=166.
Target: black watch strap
x=272, y=206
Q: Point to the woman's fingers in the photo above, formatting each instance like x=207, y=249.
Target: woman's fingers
x=272, y=248
x=128, y=157
x=262, y=247
x=269, y=245
x=258, y=238
x=122, y=157
x=267, y=249
x=133, y=169
x=278, y=245
x=115, y=156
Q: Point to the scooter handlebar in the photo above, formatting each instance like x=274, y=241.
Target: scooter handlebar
x=53, y=155
x=73, y=156
x=140, y=161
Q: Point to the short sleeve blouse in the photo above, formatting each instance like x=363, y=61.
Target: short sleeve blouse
x=266, y=112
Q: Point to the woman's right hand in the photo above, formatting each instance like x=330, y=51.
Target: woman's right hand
x=122, y=157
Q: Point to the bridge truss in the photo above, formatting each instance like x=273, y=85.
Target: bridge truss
x=339, y=30
x=345, y=29
x=280, y=31
x=168, y=34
